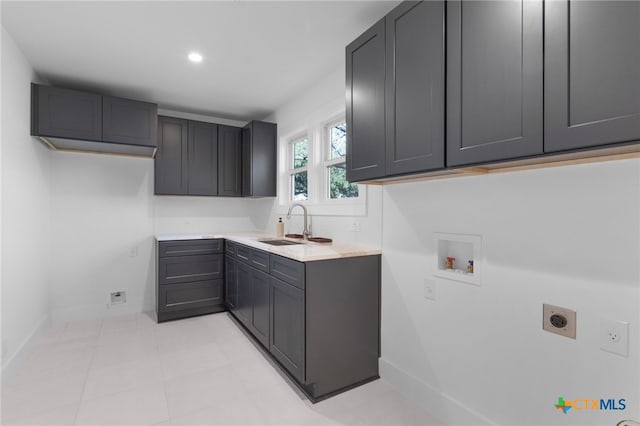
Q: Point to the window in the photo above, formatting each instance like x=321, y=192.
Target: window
x=312, y=166
x=298, y=168
x=335, y=138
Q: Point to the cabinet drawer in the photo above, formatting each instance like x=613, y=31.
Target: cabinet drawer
x=181, y=269
x=256, y=258
x=230, y=248
x=287, y=270
x=243, y=253
x=260, y=260
x=189, y=247
x=197, y=294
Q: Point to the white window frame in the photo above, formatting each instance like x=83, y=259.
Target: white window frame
x=328, y=161
x=292, y=170
x=315, y=127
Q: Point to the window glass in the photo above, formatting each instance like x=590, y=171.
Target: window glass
x=300, y=153
x=300, y=186
x=338, y=185
x=338, y=140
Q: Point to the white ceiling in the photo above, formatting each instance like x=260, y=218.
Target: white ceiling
x=257, y=54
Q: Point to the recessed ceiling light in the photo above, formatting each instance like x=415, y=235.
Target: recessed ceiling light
x=195, y=57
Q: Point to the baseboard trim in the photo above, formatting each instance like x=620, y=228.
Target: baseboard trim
x=13, y=361
x=440, y=405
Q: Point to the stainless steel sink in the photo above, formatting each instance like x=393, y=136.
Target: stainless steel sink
x=280, y=242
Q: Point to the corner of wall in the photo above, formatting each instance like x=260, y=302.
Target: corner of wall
x=25, y=192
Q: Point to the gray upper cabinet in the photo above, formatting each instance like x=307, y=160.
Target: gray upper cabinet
x=415, y=87
x=203, y=159
x=259, y=159
x=229, y=161
x=592, y=73
x=65, y=113
x=494, y=80
x=365, y=62
x=187, y=158
x=72, y=120
x=171, y=161
x=130, y=122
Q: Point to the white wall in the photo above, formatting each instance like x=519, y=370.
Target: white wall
x=567, y=236
x=318, y=103
x=26, y=216
x=105, y=217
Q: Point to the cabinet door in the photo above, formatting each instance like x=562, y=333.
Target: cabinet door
x=260, y=306
x=592, y=73
x=365, y=105
x=229, y=161
x=129, y=122
x=259, y=159
x=171, y=159
x=494, y=80
x=287, y=327
x=65, y=113
x=244, y=304
x=203, y=159
x=415, y=87
x=231, y=283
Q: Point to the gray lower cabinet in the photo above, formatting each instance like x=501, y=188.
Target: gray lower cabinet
x=231, y=283
x=319, y=320
x=494, y=80
x=245, y=294
x=287, y=327
x=250, y=298
x=592, y=73
x=259, y=324
x=190, y=278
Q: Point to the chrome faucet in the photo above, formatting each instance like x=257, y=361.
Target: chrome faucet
x=305, y=233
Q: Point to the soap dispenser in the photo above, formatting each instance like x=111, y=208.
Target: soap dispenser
x=280, y=228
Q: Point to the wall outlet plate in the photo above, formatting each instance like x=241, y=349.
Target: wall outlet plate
x=430, y=289
x=614, y=336
x=559, y=320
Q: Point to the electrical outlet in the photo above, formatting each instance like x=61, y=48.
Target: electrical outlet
x=614, y=336
x=430, y=289
x=558, y=320
x=117, y=298
x=355, y=226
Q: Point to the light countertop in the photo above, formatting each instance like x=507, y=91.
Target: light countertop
x=306, y=252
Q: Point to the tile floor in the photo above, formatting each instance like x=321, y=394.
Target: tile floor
x=198, y=371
